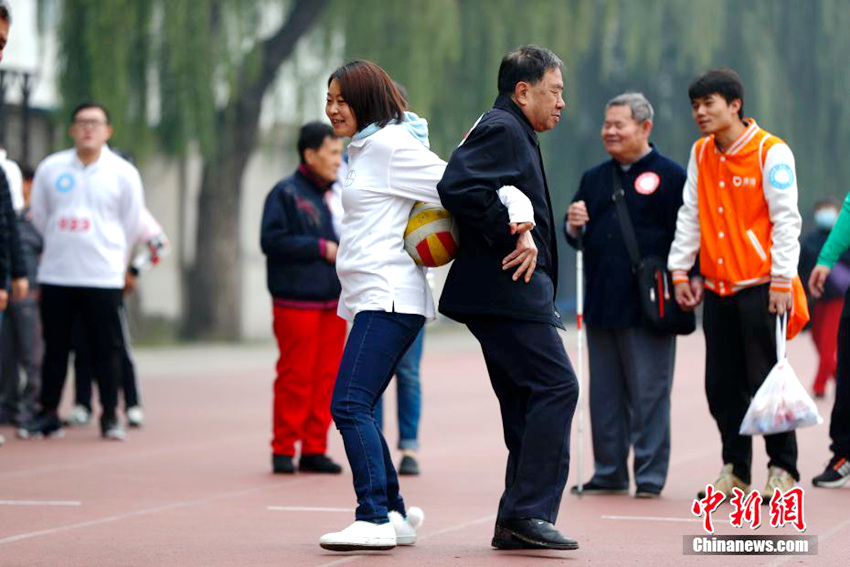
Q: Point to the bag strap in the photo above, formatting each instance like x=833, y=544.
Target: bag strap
x=781, y=333
x=619, y=198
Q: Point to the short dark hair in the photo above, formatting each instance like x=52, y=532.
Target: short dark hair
x=312, y=136
x=725, y=82
x=27, y=172
x=5, y=12
x=370, y=93
x=84, y=105
x=527, y=63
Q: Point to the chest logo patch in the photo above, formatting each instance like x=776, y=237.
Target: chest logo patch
x=349, y=179
x=647, y=183
x=781, y=176
x=64, y=183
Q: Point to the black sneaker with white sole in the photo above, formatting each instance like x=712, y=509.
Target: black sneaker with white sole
x=42, y=425
x=836, y=475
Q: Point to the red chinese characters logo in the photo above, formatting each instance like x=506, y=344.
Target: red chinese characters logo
x=745, y=509
x=787, y=509
x=704, y=507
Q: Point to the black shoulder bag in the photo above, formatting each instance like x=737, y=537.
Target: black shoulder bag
x=657, y=300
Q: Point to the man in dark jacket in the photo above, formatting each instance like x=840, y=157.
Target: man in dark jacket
x=300, y=245
x=631, y=366
x=502, y=286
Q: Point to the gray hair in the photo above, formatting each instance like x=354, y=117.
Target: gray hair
x=5, y=11
x=641, y=109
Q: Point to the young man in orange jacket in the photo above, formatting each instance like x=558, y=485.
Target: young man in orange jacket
x=740, y=214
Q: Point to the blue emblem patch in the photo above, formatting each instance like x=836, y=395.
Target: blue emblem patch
x=781, y=176
x=64, y=183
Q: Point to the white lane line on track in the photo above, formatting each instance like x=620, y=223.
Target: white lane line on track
x=307, y=509
x=40, y=503
x=659, y=519
x=450, y=529
x=145, y=512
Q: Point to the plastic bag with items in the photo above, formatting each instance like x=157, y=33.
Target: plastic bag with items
x=781, y=403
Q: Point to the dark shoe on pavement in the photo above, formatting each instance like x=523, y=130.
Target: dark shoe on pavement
x=530, y=533
x=648, y=491
x=318, y=464
x=593, y=487
x=282, y=464
x=408, y=466
x=43, y=425
x=836, y=475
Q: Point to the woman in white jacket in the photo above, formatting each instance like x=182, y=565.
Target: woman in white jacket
x=384, y=293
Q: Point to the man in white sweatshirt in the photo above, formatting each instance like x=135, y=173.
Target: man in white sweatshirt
x=87, y=203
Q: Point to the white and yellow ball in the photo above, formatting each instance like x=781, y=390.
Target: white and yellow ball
x=431, y=236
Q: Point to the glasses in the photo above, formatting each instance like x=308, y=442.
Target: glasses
x=89, y=124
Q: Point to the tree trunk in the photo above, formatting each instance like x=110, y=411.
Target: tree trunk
x=213, y=310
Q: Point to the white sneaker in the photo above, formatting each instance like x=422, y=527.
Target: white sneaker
x=79, y=416
x=405, y=528
x=135, y=416
x=361, y=536
x=2, y=439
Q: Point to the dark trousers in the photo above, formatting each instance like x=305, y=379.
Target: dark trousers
x=84, y=370
x=631, y=375
x=839, y=425
x=375, y=345
x=537, y=391
x=99, y=313
x=21, y=347
x=740, y=351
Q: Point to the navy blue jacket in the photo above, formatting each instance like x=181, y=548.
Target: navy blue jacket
x=295, y=221
x=501, y=150
x=612, y=300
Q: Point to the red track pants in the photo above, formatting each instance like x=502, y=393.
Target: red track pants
x=825, y=318
x=310, y=343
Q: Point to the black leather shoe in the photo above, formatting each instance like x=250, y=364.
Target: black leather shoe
x=282, y=464
x=408, y=466
x=530, y=533
x=593, y=487
x=318, y=464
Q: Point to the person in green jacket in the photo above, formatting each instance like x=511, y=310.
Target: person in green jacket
x=837, y=472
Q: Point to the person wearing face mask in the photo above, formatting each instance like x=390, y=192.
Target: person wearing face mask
x=631, y=365
x=826, y=313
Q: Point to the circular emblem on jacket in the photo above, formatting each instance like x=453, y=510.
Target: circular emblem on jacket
x=349, y=179
x=781, y=176
x=64, y=183
x=647, y=183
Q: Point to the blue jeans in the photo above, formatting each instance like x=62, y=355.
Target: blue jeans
x=375, y=345
x=409, y=396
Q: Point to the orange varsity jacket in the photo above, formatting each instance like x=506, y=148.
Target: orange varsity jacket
x=740, y=214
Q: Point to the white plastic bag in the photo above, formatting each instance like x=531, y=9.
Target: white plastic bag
x=781, y=403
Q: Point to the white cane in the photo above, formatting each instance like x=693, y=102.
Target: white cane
x=580, y=335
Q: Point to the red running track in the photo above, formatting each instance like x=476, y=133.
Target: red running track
x=194, y=486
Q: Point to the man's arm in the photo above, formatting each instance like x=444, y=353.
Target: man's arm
x=779, y=180
x=133, y=203
x=278, y=239
x=6, y=231
x=686, y=241
x=481, y=166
